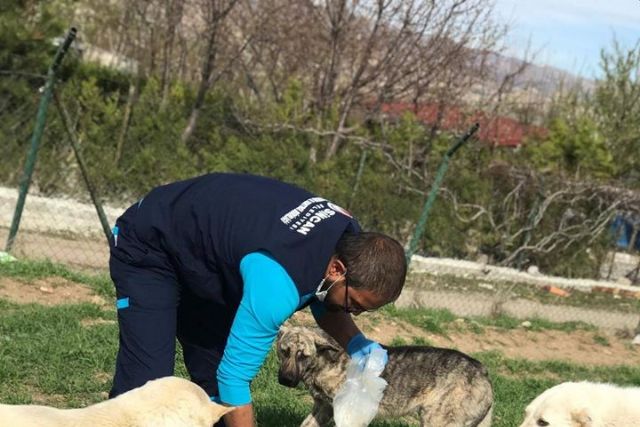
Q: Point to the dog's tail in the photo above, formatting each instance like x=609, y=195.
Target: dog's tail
x=486, y=420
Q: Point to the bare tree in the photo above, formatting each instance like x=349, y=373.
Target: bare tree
x=215, y=29
x=126, y=31
x=532, y=216
x=285, y=36
x=173, y=14
x=362, y=54
x=617, y=102
x=414, y=46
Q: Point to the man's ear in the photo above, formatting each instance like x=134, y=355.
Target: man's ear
x=582, y=418
x=336, y=268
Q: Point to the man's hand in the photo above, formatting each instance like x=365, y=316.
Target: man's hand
x=360, y=347
x=242, y=416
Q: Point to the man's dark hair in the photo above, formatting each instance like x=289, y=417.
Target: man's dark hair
x=374, y=261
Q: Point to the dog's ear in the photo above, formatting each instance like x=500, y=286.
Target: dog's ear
x=217, y=411
x=320, y=340
x=327, y=348
x=582, y=418
x=282, y=331
x=331, y=352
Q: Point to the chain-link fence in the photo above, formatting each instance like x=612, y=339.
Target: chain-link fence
x=476, y=289
x=46, y=193
x=60, y=229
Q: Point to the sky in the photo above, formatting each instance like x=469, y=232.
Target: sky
x=569, y=34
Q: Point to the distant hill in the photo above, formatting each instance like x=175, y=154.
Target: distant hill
x=543, y=78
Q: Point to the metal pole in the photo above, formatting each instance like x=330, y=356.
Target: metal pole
x=530, y=223
x=363, y=158
x=619, y=233
x=66, y=121
x=417, y=234
x=38, y=130
x=633, y=276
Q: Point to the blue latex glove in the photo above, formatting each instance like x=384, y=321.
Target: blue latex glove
x=360, y=347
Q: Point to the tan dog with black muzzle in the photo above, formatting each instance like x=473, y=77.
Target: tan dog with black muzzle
x=445, y=388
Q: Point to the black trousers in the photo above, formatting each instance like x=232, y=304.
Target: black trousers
x=154, y=310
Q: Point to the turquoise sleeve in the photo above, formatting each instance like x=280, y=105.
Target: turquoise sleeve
x=269, y=298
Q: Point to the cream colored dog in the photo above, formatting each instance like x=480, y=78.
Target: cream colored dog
x=165, y=402
x=585, y=404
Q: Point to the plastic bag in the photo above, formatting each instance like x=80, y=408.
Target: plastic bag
x=356, y=402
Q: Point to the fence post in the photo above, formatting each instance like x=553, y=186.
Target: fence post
x=66, y=122
x=417, y=234
x=531, y=219
x=619, y=234
x=363, y=158
x=38, y=130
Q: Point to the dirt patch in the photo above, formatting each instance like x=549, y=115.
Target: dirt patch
x=580, y=347
x=54, y=400
x=87, y=323
x=40, y=398
x=49, y=291
x=104, y=378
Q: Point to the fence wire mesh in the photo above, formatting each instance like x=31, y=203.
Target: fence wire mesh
x=59, y=222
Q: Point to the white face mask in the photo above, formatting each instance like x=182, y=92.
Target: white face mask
x=321, y=295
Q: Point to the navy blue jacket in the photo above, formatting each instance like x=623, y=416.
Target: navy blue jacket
x=206, y=225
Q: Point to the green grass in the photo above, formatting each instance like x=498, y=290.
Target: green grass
x=442, y=321
x=48, y=355
x=45, y=351
x=555, y=369
x=516, y=382
x=398, y=341
x=536, y=324
x=431, y=320
x=603, y=341
x=420, y=341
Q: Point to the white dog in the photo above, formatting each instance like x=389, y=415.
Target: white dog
x=165, y=402
x=585, y=404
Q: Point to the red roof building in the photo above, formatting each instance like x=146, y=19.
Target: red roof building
x=497, y=131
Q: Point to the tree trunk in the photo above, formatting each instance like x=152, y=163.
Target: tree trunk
x=131, y=100
x=335, y=141
x=205, y=84
x=174, y=11
x=195, y=113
